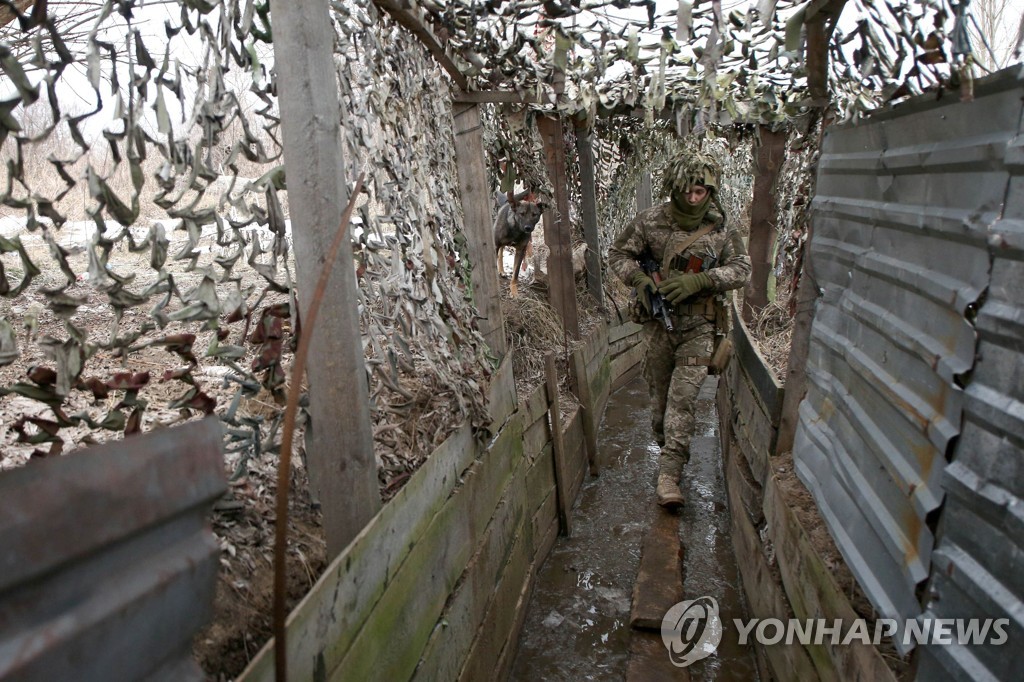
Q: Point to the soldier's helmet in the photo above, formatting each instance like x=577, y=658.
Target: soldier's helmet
x=689, y=169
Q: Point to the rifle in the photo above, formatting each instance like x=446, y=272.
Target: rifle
x=722, y=349
x=660, y=308
x=701, y=263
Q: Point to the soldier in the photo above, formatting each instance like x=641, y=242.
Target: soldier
x=700, y=258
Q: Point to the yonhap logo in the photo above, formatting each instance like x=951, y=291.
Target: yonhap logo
x=691, y=630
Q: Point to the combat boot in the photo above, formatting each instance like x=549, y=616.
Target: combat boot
x=669, y=496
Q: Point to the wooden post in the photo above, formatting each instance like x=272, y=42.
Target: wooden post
x=478, y=222
x=341, y=461
x=644, y=195
x=821, y=18
x=588, y=191
x=561, y=284
x=589, y=419
x=558, y=448
x=771, y=152
x=796, y=371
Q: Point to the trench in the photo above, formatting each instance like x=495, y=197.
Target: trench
x=577, y=624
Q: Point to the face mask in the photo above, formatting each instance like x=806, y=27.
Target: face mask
x=686, y=215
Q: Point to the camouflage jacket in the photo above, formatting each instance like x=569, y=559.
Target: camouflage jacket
x=655, y=229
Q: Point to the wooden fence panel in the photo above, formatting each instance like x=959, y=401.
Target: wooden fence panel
x=435, y=586
x=321, y=628
x=627, y=366
x=588, y=365
x=813, y=593
x=503, y=397
x=390, y=643
x=765, y=595
x=455, y=630
x=749, y=403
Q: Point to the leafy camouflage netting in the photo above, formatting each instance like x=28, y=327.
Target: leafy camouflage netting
x=709, y=63
x=145, y=257
x=148, y=229
x=795, y=189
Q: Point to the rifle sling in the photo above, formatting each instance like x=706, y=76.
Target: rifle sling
x=673, y=251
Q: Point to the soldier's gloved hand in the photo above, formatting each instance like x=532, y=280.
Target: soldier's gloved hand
x=645, y=286
x=679, y=287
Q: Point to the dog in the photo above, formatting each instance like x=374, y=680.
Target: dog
x=517, y=216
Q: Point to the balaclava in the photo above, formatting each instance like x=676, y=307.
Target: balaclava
x=682, y=174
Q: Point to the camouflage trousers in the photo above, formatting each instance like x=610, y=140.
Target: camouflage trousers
x=673, y=387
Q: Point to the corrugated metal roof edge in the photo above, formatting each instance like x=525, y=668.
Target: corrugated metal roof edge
x=996, y=82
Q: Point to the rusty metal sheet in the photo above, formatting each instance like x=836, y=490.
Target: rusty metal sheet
x=978, y=568
x=108, y=565
x=903, y=216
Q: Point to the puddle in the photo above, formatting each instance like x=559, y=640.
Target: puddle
x=577, y=625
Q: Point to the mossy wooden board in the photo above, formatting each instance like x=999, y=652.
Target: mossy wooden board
x=322, y=626
x=496, y=628
x=453, y=633
x=814, y=593
x=391, y=640
x=764, y=594
x=625, y=363
x=622, y=331
x=536, y=405
x=502, y=394
x=536, y=436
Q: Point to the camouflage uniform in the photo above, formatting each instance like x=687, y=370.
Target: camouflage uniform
x=672, y=376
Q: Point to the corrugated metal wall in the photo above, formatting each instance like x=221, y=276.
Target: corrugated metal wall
x=903, y=216
x=978, y=565
x=107, y=563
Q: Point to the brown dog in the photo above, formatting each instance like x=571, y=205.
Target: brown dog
x=513, y=227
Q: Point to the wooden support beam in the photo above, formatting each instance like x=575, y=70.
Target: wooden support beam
x=644, y=193
x=820, y=19
x=587, y=404
x=561, y=283
x=796, y=372
x=501, y=97
x=588, y=190
x=771, y=152
x=341, y=462
x=558, y=447
x=412, y=17
x=478, y=222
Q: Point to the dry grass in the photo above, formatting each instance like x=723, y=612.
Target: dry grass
x=532, y=330
x=772, y=328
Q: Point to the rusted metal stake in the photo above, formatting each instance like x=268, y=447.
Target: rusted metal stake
x=284, y=464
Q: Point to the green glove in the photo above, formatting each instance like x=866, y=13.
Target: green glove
x=645, y=286
x=681, y=286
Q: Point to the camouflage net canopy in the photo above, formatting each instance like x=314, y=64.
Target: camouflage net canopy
x=146, y=270
x=708, y=62
x=145, y=204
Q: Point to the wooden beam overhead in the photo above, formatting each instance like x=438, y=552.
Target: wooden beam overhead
x=499, y=97
x=411, y=17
